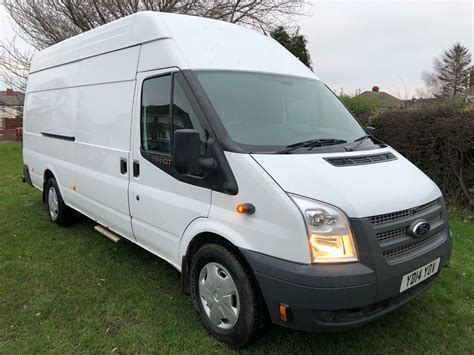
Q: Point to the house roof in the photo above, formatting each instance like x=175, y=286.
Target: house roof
x=383, y=98
x=15, y=98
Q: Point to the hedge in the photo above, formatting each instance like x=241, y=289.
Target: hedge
x=440, y=142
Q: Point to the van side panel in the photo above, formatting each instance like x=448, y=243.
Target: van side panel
x=90, y=100
x=110, y=67
x=45, y=112
x=103, y=135
x=276, y=228
x=126, y=32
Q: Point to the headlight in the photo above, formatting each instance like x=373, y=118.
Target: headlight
x=329, y=233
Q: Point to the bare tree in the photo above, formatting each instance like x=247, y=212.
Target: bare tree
x=432, y=83
x=42, y=23
x=14, y=64
x=421, y=93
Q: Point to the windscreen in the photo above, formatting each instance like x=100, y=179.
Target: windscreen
x=266, y=110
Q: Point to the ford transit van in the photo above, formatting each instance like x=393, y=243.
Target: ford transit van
x=212, y=147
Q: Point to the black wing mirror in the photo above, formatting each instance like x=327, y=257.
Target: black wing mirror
x=372, y=131
x=187, y=153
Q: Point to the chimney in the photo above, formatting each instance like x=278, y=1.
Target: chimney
x=375, y=88
x=9, y=92
x=471, y=77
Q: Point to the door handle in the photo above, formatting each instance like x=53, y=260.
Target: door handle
x=123, y=166
x=136, y=169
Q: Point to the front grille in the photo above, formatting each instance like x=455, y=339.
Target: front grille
x=361, y=159
x=387, y=217
x=391, y=230
x=400, y=232
x=410, y=247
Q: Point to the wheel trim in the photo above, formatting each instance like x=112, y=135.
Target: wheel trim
x=219, y=296
x=53, y=203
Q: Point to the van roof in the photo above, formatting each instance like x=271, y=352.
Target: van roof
x=199, y=43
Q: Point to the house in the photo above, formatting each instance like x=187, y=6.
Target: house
x=11, y=113
x=383, y=99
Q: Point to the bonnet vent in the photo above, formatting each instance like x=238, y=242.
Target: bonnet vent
x=361, y=159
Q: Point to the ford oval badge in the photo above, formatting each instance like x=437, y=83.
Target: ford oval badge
x=419, y=228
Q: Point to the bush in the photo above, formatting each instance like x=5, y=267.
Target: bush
x=440, y=142
x=360, y=105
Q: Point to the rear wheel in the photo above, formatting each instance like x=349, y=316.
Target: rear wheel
x=225, y=295
x=58, y=211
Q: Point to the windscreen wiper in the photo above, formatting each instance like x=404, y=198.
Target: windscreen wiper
x=359, y=141
x=320, y=142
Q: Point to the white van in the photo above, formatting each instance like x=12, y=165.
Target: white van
x=211, y=146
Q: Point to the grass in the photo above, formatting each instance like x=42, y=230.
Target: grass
x=72, y=290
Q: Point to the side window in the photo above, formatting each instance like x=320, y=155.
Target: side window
x=184, y=116
x=159, y=119
x=156, y=124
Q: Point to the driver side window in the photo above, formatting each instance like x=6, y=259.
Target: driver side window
x=163, y=112
x=156, y=123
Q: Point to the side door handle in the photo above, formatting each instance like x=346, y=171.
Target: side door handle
x=136, y=169
x=123, y=166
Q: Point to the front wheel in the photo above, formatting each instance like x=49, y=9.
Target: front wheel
x=225, y=295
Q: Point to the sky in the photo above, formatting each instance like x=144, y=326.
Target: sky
x=357, y=44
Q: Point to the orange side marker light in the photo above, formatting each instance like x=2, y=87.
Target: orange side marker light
x=245, y=208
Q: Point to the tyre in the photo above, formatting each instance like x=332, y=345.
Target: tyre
x=58, y=211
x=226, y=296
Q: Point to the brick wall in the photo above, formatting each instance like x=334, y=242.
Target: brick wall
x=12, y=123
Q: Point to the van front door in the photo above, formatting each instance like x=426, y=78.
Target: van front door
x=161, y=204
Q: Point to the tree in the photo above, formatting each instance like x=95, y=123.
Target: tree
x=295, y=43
x=14, y=64
x=42, y=23
x=450, y=75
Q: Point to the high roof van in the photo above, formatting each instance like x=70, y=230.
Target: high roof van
x=211, y=146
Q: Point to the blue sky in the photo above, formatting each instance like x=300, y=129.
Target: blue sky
x=357, y=44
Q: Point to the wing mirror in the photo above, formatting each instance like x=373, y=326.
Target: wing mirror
x=187, y=153
x=372, y=131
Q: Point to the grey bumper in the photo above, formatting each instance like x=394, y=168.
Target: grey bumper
x=341, y=296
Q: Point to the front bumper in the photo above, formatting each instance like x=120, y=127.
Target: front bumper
x=341, y=296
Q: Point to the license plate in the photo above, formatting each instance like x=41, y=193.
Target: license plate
x=416, y=276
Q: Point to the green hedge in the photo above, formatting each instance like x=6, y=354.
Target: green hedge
x=440, y=142
x=359, y=105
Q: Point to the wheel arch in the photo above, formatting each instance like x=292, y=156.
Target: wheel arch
x=194, y=240
x=48, y=174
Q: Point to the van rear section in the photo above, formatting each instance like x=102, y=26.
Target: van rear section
x=214, y=148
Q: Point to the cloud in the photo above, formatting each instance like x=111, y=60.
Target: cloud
x=358, y=44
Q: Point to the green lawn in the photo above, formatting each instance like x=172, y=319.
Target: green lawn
x=72, y=290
